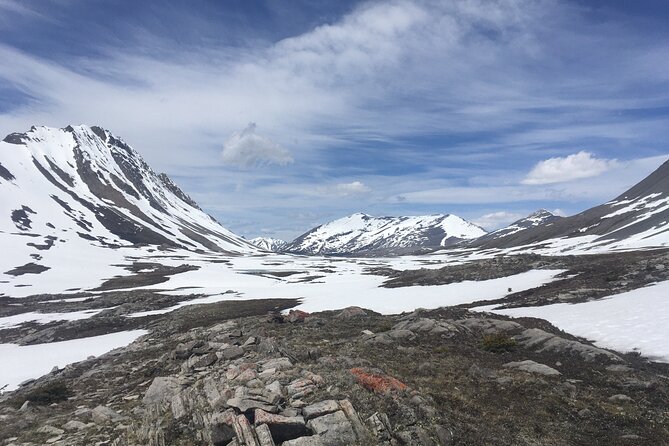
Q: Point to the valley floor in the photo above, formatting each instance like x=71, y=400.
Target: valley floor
x=616, y=300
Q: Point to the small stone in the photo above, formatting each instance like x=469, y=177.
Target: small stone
x=74, y=425
x=277, y=364
x=25, y=406
x=246, y=404
x=295, y=316
x=620, y=398
x=232, y=352
x=205, y=361
x=50, y=430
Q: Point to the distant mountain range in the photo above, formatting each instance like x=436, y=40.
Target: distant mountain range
x=269, y=244
x=638, y=218
x=85, y=186
x=366, y=235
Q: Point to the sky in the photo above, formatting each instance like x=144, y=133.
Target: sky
x=278, y=116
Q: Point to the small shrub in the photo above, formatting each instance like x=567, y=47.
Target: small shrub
x=498, y=343
x=48, y=394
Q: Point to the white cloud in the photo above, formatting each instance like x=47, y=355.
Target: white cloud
x=344, y=189
x=352, y=188
x=247, y=148
x=573, y=167
x=496, y=220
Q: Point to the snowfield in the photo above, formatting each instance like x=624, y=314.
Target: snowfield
x=24, y=362
x=637, y=320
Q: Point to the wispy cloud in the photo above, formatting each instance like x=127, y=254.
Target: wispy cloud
x=422, y=100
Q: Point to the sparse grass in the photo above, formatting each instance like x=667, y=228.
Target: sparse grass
x=497, y=343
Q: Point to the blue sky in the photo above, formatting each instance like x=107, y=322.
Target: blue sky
x=279, y=116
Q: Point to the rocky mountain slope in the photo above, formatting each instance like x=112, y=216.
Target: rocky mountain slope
x=69, y=192
x=363, y=234
x=334, y=378
x=269, y=244
x=542, y=217
x=635, y=219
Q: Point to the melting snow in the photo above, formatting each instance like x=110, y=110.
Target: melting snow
x=23, y=362
x=635, y=320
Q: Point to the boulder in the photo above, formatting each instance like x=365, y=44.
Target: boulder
x=350, y=312
x=161, y=390
x=334, y=429
x=104, y=414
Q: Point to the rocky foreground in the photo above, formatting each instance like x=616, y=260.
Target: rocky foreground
x=207, y=376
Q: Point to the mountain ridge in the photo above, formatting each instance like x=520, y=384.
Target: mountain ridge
x=361, y=233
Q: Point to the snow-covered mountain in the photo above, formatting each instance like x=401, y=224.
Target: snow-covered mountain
x=66, y=190
x=541, y=217
x=638, y=218
x=269, y=244
x=363, y=234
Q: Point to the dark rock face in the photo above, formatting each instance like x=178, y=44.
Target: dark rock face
x=16, y=138
x=5, y=174
x=21, y=219
x=28, y=268
x=169, y=184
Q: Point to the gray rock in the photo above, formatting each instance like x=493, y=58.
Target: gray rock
x=541, y=341
x=50, y=430
x=350, y=312
x=161, y=390
x=74, y=425
x=264, y=435
x=104, y=414
x=277, y=363
x=532, y=367
x=205, y=361
x=426, y=325
x=247, y=404
x=333, y=429
x=232, y=352
x=319, y=409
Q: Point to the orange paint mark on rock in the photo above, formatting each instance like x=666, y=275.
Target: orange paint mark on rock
x=377, y=383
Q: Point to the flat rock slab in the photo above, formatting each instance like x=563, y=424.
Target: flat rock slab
x=532, y=367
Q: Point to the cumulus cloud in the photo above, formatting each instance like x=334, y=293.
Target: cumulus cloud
x=496, y=220
x=247, y=148
x=573, y=167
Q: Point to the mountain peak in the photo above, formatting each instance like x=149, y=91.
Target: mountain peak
x=360, y=233
x=85, y=181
